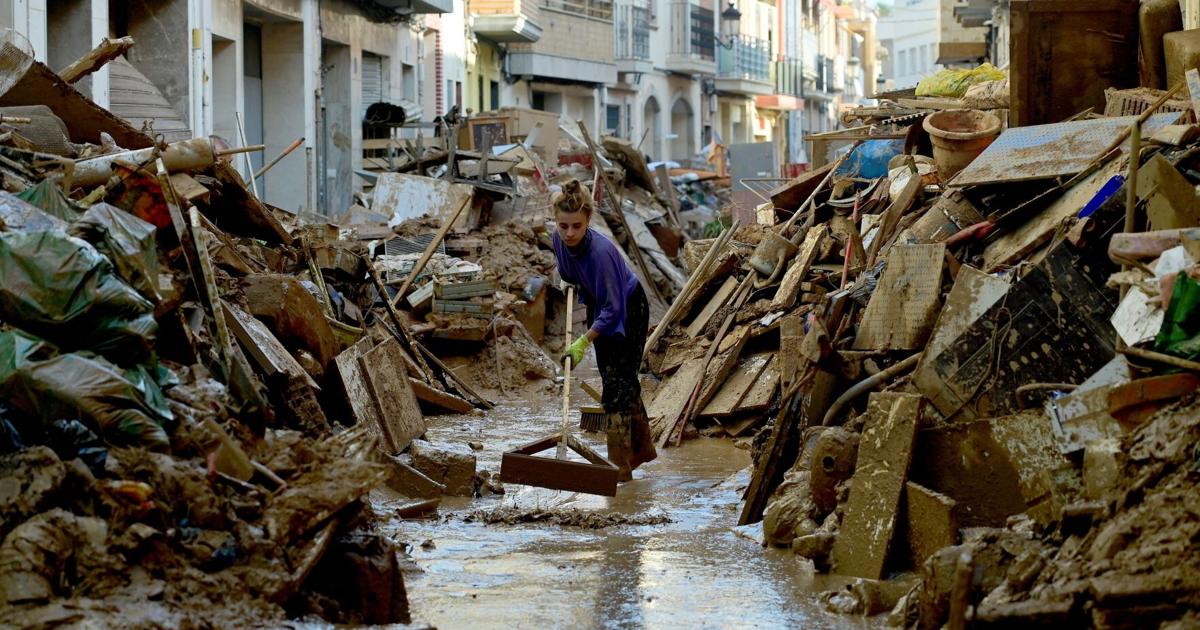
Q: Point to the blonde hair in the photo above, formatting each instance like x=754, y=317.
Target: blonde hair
x=574, y=197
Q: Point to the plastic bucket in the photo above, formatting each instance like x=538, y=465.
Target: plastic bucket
x=959, y=136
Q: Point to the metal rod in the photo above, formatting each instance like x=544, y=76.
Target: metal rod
x=249, y=165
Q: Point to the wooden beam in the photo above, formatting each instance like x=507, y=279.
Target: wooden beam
x=96, y=58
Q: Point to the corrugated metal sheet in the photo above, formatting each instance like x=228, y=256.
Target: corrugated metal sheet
x=134, y=98
x=1046, y=151
x=372, y=81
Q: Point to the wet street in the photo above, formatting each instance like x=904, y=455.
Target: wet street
x=696, y=571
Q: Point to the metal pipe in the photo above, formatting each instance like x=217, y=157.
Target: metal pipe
x=866, y=385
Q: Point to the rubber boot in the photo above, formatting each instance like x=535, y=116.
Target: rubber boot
x=620, y=448
x=643, y=442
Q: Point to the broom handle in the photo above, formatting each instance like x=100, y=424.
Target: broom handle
x=566, y=407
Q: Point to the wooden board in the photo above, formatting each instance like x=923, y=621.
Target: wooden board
x=718, y=300
x=262, y=346
x=1064, y=54
x=439, y=398
x=1169, y=196
x=671, y=397
x=905, y=304
x=884, y=454
x=791, y=336
x=1019, y=242
x=789, y=289
x=745, y=376
x=362, y=405
x=759, y=397
x=791, y=195
x=722, y=363
x=386, y=376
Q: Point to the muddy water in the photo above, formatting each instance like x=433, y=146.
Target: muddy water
x=696, y=571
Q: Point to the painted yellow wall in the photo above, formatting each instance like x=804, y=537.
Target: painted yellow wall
x=483, y=61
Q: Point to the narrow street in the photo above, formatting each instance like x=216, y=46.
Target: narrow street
x=698, y=570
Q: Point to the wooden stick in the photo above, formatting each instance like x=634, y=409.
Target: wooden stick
x=428, y=253
x=1135, y=150
x=613, y=199
x=812, y=197
x=235, y=151
x=717, y=247
x=565, y=432
x=291, y=147
x=96, y=58
x=404, y=336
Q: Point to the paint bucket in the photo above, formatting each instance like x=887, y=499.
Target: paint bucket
x=959, y=136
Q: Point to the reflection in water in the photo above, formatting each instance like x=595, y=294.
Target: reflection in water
x=693, y=572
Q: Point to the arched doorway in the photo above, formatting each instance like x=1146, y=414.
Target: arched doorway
x=683, y=145
x=653, y=143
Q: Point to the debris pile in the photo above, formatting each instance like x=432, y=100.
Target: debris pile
x=947, y=350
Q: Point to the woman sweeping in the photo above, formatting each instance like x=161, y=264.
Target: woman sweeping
x=618, y=316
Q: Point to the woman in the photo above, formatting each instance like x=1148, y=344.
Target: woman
x=618, y=315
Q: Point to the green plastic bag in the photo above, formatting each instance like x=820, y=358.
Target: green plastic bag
x=47, y=196
x=950, y=83
x=43, y=384
x=61, y=289
x=1180, y=332
x=127, y=241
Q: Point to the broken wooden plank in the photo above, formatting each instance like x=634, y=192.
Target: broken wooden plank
x=789, y=289
x=745, y=376
x=791, y=336
x=96, y=58
x=884, y=455
x=791, y=195
x=718, y=300
x=355, y=386
x=759, y=397
x=891, y=216
x=671, y=397
x=904, y=305
x=721, y=365
x=386, y=377
x=1169, y=196
x=932, y=522
x=187, y=187
x=439, y=398
x=268, y=353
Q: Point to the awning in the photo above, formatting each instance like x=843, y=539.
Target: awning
x=783, y=102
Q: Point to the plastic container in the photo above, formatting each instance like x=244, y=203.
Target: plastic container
x=959, y=136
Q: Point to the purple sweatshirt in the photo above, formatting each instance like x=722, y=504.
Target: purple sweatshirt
x=605, y=279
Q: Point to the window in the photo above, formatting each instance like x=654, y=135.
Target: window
x=538, y=101
x=495, y=93
x=482, y=106
x=922, y=61
x=613, y=119
x=902, y=67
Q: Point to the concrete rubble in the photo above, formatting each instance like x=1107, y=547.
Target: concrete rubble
x=958, y=377
x=970, y=388
x=200, y=391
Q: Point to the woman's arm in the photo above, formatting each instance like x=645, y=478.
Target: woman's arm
x=610, y=317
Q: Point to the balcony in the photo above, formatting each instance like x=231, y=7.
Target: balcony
x=693, y=40
x=744, y=68
x=631, y=37
x=507, y=21
x=576, y=45
x=414, y=6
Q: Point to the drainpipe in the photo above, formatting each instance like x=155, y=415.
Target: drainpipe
x=439, y=92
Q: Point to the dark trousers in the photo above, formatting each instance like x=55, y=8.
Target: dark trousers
x=620, y=356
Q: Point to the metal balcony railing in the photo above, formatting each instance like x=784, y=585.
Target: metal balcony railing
x=631, y=31
x=789, y=77
x=692, y=31
x=749, y=58
x=598, y=9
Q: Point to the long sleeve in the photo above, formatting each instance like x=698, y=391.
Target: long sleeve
x=610, y=318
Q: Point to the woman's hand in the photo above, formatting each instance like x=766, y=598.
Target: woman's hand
x=577, y=349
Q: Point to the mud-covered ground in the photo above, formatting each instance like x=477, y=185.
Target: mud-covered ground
x=664, y=552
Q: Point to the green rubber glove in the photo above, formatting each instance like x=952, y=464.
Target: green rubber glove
x=577, y=349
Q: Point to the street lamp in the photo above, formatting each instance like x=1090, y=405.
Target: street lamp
x=730, y=18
